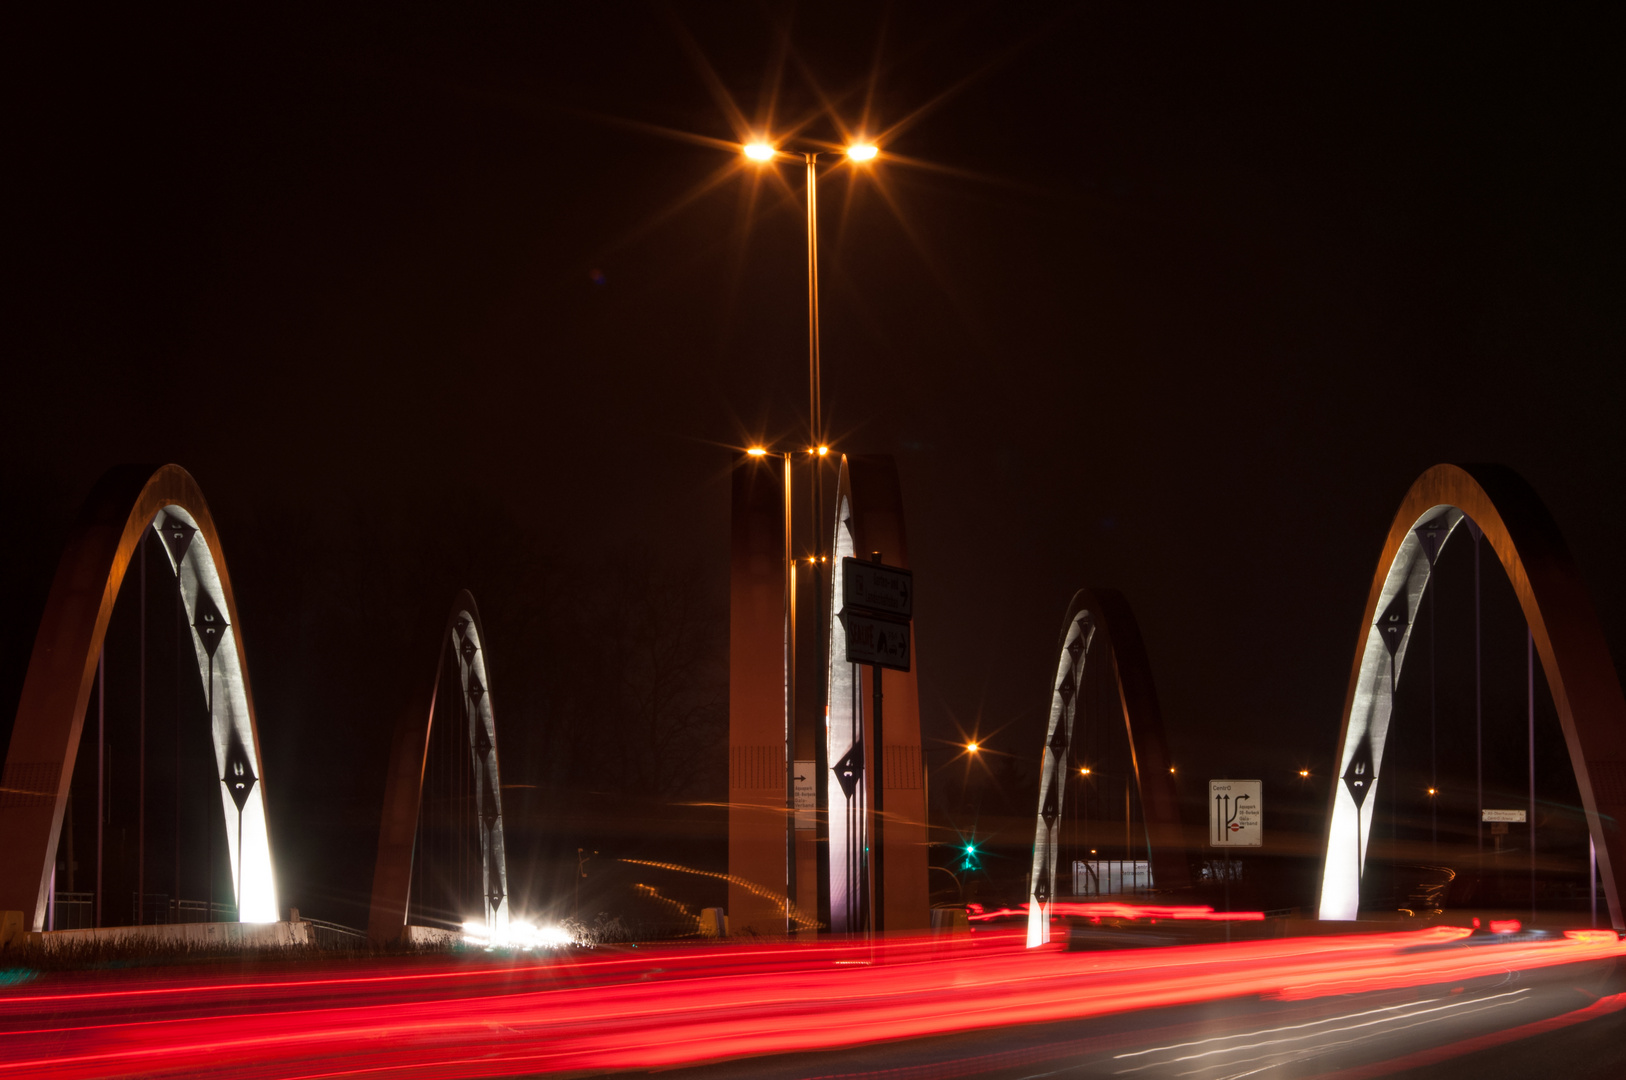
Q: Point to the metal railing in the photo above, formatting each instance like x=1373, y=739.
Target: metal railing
x=332, y=935
x=1112, y=877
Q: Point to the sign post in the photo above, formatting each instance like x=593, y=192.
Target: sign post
x=877, y=602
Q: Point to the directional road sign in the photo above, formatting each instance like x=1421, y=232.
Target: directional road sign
x=1501, y=815
x=807, y=794
x=876, y=639
x=873, y=586
x=1235, y=813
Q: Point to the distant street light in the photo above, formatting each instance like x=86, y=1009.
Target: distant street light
x=971, y=748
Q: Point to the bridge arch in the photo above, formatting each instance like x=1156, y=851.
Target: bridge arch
x=868, y=518
x=461, y=639
x=1567, y=637
x=1102, y=618
x=104, y=541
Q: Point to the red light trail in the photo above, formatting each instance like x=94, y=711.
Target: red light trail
x=665, y=1007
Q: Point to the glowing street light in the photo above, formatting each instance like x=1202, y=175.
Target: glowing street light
x=757, y=451
x=762, y=152
x=971, y=748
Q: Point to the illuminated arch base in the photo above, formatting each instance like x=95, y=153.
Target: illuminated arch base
x=1568, y=639
x=56, y=691
x=464, y=637
x=1102, y=617
x=869, y=517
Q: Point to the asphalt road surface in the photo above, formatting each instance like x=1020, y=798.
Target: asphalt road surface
x=1435, y=1001
x=1550, y=1022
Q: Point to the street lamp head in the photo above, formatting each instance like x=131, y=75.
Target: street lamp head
x=1085, y=771
x=823, y=450
x=862, y=151
x=757, y=451
x=759, y=151
x=971, y=748
x=1431, y=791
x=1303, y=773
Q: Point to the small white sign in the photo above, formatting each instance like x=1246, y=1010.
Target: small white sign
x=1501, y=815
x=807, y=795
x=1235, y=813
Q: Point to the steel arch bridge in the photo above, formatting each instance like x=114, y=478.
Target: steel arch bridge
x=1566, y=634
x=100, y=549
x=461, y=639
x=1102, y=619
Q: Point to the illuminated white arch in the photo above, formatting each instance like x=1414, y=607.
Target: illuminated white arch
x=1564, y=631
x=233, y=720
x=461, y=634
x=844, y=730
x=106, y=539
x=1101, y=619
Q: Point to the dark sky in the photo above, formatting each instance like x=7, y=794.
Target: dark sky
x=1175, y=300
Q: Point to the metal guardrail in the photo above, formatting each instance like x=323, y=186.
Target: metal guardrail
x=332, y=935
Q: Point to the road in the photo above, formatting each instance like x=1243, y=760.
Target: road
x=1438, y=999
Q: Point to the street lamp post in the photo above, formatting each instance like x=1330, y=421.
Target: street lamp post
x=764, y=152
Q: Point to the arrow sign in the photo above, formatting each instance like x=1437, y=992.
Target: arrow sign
x=877, y=587
x=876, y=639
x=1234, y=813
x=805, y=796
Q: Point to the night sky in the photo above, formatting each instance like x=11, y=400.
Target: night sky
x=1175, y=300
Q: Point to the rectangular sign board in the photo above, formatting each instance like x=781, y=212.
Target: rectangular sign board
x=1235, y=813
x=1501, y=815
x=807, y=795
x=876, y=639
x=877, y=587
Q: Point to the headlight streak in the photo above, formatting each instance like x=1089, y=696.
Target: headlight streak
x=673, y=1006
x=1604, y=1006
x=1266, y=1031
x=1479, y=1003
x=1288, y=1057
